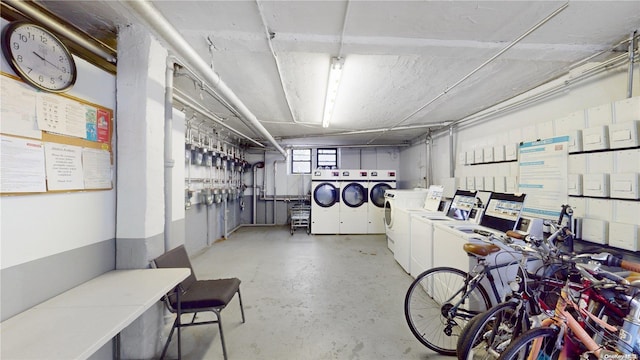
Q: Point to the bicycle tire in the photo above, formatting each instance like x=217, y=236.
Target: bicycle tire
x=519, y=348
x=491, y=332
x=427, y=301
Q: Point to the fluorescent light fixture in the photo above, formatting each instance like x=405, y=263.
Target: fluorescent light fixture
x=335, y=73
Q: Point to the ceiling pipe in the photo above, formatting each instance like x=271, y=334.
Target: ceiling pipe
x=35, y=12
x=170, y=35
x=632, y=52
x=180, y=97
x=490, y=60
x=369, y=131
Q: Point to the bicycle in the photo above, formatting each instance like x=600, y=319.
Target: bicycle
x=441, y=301
x=565, y=334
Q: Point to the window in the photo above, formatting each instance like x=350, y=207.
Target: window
x=327, y=158
x=301, y=161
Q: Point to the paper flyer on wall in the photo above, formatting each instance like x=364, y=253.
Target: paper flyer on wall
x=22, y=165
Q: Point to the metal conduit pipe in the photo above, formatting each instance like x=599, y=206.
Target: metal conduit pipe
x=170, y=35
x=70, y=32
x=487, y=113
x=451, y=156
x=184, y=99
x=168, y=152
x=490, y=60
x=632, y=52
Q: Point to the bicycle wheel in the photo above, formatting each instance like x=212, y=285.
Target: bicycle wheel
x=521, y=347
x=491, y=332
x=438, y=305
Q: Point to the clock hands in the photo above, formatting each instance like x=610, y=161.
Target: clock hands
x=45, y=60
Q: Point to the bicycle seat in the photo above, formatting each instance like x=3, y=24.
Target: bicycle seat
x=480, y=249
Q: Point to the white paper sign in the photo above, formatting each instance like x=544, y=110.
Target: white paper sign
x=96, y=165
x=21, y=165
x=64, y=167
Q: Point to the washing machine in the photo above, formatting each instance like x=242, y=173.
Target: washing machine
x=325, y=205
x=422, y=225
x=379, y=182
x=501, y=213
x=354, y=204
x=400, y=199
x=402, y=225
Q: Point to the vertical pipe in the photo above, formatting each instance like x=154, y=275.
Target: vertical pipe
x=255, y=194
x=168, y=156
x=275, y=191
x=428, y=154
x=451, y=154
x=632, y=52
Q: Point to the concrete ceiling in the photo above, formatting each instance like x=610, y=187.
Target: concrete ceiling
x=399, y=56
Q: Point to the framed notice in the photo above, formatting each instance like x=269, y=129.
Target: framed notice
x=542, y=175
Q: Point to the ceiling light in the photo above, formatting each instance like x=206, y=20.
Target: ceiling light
x=335, y=73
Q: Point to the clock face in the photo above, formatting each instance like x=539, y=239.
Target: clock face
x=38, y=57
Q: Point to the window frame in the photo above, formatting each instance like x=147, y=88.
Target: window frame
x=294, y=161
x=319, y=151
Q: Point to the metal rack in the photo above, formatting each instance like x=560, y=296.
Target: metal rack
x=300, y=215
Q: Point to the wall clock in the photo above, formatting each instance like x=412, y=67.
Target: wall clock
x=38, y=57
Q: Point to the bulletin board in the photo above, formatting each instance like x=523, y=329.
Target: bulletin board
x=52, y=142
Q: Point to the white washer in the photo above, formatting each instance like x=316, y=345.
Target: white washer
x=399, y=199
x=501, y=213
x=379, y=182
x=325, y=205
x=422, y=227
x=402, y=251
x=353, y=207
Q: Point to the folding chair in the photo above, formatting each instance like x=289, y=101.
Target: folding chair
x=192, y=296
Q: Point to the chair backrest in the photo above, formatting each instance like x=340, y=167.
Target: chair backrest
x=177, y=258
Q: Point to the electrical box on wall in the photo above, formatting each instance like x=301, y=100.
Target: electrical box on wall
x=511, y=184
x=479, y=180
x=625, y=186
x=624, y=134
x=488, y=154
x=596, y=185
x=471, y=183
x=470, y=157
x=595, y=138
x=595, y=231
x=462, y=158
x=489, y=183
x=624, y=236
x=574, y=184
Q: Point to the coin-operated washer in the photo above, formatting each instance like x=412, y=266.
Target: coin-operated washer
x=399, y=199
x=501, y=213
x=422, y=225
x=402, y=252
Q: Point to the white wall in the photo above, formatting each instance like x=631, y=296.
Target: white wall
x=37, y=226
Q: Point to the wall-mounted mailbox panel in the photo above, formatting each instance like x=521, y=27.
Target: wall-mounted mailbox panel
x=488, y=154
x=479, y=180
x=575, y=141
x=489, y=184
x=624, y=134
x=595, y=185
x=470, y=157
x=624, y=236
x=478, y=156
x=511, y=184
x=471, y=183
x=498, y=153
x=595, y=138
x=574, y=184
x=511, y=152
x=499, y=184
x=625, y=186
x=595, y=231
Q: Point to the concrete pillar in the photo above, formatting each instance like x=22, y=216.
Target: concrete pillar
x=140, y=173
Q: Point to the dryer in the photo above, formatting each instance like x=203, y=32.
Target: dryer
x=399, y=199
x=379, y=182
x=354, y=204
x=422, y=225
x=325, y=205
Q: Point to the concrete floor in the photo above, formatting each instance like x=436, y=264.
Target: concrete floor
x=306, y=297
